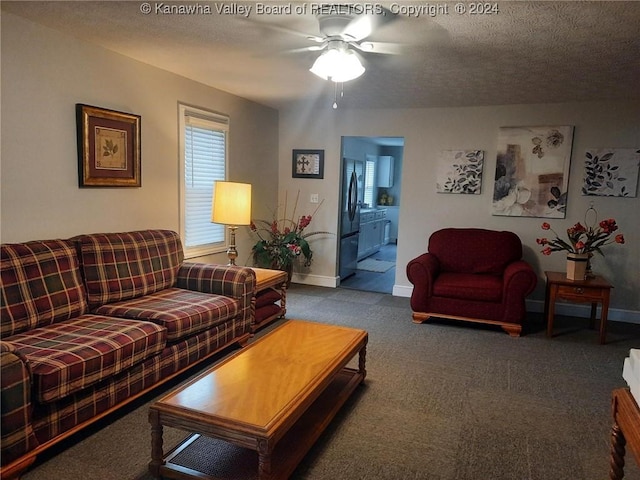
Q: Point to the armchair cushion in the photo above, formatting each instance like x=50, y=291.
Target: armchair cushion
x=474, y=250
x=468, y=286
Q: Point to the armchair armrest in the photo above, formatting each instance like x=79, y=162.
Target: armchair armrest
x=15, y=404
x=421, y=272
x=519, y=279
x=228, y=280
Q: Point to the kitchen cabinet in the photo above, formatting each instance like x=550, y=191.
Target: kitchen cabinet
x=371, y=232
x=385, y=171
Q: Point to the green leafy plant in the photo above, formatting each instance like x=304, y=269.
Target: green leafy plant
x=283, y=239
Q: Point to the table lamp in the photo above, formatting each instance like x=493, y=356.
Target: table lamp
x=231, y=207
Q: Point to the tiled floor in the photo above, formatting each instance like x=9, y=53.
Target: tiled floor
x=372, y=281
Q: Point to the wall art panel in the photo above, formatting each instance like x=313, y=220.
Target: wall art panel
x=460, y=171
x=611, y=172
x=532, y=171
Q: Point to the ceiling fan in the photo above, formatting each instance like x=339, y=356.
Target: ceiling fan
x=345, y=29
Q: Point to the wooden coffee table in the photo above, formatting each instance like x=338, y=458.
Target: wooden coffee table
x=275, y=397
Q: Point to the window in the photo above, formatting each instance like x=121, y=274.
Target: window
x=369, y=174
x=203, y=160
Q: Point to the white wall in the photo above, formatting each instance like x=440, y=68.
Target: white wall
x=422, y=210
x=44, y=74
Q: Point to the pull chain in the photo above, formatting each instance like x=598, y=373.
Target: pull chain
x=335, y=94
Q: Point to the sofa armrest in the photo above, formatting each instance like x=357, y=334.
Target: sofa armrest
x=421, y=272
x=228, y=280
x=15, y=404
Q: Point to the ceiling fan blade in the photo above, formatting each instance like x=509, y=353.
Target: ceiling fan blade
x=312, y=48
x=385, y=48
x=363, y=25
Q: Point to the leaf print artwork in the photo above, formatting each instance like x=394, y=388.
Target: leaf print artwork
x=111, y=149
x=611, y=172
x=460, y=171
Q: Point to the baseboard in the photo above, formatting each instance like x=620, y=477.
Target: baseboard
x=315, y=280
x=579, y=310
x=402, y=291
x=583, y=310
x=569, y=309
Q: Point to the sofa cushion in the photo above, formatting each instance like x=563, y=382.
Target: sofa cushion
x=474, y=250
x=182, y=312
x=41, y=284
x=469, y=286
x=121, y=266
x=69, y=356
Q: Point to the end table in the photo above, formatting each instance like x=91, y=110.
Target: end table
x=271, y=296
x=593, y=290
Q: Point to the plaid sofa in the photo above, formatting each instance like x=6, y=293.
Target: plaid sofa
x=92, y=322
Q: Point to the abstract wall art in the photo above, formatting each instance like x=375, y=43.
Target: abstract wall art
x=460, y=171
x=611, y=172
x=532, y=171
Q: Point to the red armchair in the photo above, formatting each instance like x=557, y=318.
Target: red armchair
x=474, y=275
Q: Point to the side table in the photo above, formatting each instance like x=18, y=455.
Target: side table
x=271, y=296
x=625, y=431
x=593, y=290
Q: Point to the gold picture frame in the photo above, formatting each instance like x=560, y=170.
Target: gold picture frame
x=108, y=147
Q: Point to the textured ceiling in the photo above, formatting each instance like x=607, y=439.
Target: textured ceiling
x=527, y=52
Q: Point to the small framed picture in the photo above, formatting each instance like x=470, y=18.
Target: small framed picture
x=308, y=164
x=108, y=147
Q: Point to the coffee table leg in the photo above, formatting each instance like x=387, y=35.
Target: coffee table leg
x=264, y=460
x=157, y=453
x=362, y=360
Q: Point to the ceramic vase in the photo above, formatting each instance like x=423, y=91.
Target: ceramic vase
x=577, y=265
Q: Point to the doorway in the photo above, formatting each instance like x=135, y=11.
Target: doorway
x=377, y=211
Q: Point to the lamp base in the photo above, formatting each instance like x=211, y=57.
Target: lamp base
x=232, y=253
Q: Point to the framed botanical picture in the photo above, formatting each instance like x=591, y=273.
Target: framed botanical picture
x=108, y=147
x=611, y=172
x=308, y=164
x=532, y=171
x=460, y=171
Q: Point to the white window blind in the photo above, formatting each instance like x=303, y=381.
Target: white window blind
x=204, y=155
x=370, y=174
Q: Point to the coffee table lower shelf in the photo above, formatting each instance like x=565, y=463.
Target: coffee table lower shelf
x=214, y=459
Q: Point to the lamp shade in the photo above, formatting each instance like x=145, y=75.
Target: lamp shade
x=231, y=203
x=338, y=65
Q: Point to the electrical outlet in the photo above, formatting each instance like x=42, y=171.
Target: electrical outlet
x=314, y=198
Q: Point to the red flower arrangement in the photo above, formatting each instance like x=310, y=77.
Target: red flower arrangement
x=283, y=240
x=582, y=239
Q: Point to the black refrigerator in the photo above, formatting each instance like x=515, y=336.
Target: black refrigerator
x=351, y=199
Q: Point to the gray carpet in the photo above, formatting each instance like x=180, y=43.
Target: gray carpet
x=442, y=401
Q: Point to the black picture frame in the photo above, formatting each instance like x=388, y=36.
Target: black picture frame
x=307, y=164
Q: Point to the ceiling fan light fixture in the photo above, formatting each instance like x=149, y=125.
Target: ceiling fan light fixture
x=338, y=65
